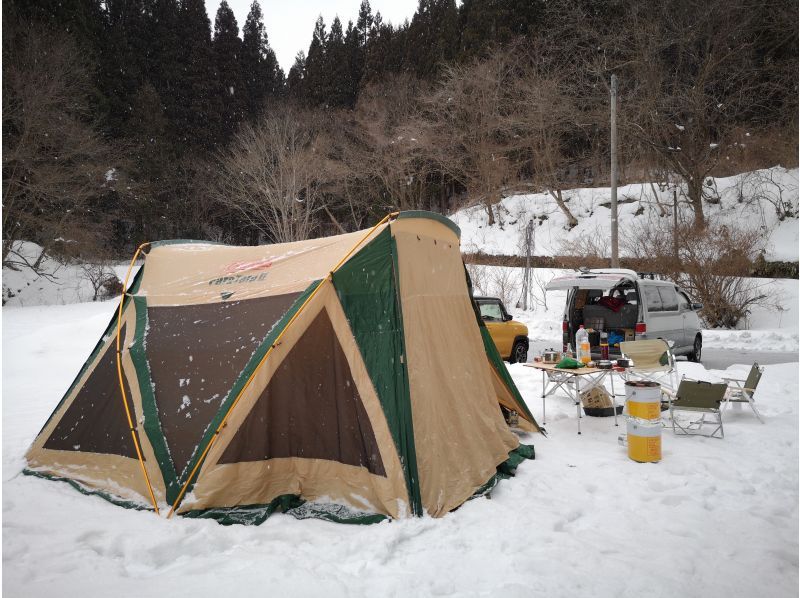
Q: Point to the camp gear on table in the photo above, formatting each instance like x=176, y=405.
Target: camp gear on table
x=551, y=356
x=615, y=338
x=584, y=354
x=568, y=363
x=569, y=380
x=236, y=381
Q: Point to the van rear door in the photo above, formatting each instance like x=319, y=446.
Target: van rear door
x=590, y=280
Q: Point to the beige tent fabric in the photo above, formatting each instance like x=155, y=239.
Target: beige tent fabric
x=115, y=474
x=459, y=431
x=192, y=273
x=225, y=485
x=507, y=400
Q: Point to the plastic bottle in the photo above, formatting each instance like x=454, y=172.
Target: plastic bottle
x=603, y=345
x=584, y=349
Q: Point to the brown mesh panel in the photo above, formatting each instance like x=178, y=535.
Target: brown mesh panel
x=196, y=353
x=95, y=421
x=311, y=408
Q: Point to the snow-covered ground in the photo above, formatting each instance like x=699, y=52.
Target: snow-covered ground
x=745, y=200
x=713, y=518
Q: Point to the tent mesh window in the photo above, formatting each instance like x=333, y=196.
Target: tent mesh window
x=195, y=354
x=95, y=422
x=311, y=408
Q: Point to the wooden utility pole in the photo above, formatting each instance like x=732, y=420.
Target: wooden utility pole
x=526, y=279
x=614, y=220
x=675, y=226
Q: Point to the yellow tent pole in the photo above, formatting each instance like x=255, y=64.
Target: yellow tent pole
x=224, y=421
x=122, y=386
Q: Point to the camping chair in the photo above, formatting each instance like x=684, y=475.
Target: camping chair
x=742, y=391
x=652, y=360
x=702, y=397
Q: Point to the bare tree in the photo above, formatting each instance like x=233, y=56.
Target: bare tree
x=272, y=175
x=473, y=117
x=693, y=76
x=504, y=282
x=714, y=264
x=479, y=276
x=540, y=282
x=105, y=283
x=765, y=187
x=558, y=110
x=54, y=163
x=391, y=146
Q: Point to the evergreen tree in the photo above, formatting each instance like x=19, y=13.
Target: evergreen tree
x=227, y=54
x=374, y=54
x=336, y=82
x=163, y=50
x=316, y=66
x=81, y=19
x=295, y=80
x=386, y=50
x=364, y=24
x=355, y=56
x=197, y=107
x=433, y=36
x=263, y=77
x=487, y=22
x=357, y=46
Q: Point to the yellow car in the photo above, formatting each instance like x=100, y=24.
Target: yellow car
x=510, y=337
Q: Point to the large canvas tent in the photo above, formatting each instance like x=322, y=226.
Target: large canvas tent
x=348, y=377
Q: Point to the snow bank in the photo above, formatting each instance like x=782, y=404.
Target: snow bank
x=59, y=284
x=746, y=200
x=582, y=519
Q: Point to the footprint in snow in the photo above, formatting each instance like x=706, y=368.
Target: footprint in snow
x=571, y=517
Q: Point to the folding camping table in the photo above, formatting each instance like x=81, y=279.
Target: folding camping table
x=569, y=381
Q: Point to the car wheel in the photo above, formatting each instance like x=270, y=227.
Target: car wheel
x=519, y=353
x=697, y=349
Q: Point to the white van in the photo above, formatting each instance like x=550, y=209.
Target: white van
x=629, y=306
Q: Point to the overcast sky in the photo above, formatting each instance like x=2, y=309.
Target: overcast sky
x=290, y=23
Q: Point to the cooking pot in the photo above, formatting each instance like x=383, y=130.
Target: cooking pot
x=624, y=363
x=551, y=356
x=603, y=364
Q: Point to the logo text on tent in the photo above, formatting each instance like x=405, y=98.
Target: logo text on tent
x=236, y=267
x=238, y=279
x=232, y=270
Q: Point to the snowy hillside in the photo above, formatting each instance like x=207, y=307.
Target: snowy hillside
x=57, y=283
x=748, y=200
